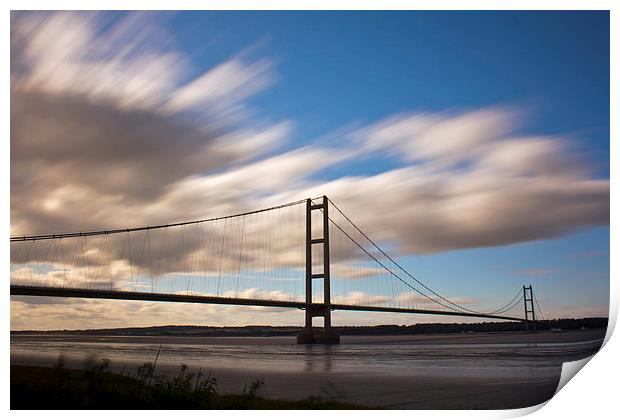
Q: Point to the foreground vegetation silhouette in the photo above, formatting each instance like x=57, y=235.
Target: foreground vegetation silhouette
x=95, y=387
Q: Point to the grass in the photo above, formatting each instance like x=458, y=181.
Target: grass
x=95, y=387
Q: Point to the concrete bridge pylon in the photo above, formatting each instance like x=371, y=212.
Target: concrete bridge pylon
x=310, y=334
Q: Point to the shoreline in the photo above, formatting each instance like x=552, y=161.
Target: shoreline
x=483, y=338
x=450, y=371
x=423, y=392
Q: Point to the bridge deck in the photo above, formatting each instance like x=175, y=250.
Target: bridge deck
x=169, y=297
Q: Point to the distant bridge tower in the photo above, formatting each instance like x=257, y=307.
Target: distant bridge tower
x=310, y=335
x=528, y=303
x=35, y=273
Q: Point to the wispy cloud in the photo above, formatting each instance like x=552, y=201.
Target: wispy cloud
x=93, y=156
x=112, y=126
x=222, y=87
x=89, y=313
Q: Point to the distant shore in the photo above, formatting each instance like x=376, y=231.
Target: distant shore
x=379, y=330
x=516, y=337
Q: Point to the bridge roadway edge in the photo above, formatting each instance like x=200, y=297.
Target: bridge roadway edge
x=167, y=297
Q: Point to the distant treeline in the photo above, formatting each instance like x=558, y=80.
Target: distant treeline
x=268, y=331
x=563, y=324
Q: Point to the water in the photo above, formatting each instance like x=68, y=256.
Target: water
x=400, y=372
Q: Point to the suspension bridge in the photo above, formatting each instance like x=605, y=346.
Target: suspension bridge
x=306, y=254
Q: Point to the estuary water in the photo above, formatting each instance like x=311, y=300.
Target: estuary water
x=508, y=370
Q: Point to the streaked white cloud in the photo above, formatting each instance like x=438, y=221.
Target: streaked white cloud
x=111, y=127
x=76, y=53
x=486, y=187
x=70, y=313
x=225, y=85
x=468, y=178
x=444, y=137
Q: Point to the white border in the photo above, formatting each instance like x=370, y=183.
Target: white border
x=591, y=396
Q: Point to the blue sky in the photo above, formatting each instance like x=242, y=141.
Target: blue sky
x=338, y=68
x=354, y=83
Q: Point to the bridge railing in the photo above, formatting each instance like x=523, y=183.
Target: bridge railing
x=253, y=255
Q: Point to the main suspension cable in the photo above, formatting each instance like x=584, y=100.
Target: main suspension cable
x=399, y=266
x=539, y=310
x=22, y=238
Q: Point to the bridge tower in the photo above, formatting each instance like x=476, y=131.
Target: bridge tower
x=310, y=335
x=528, y=303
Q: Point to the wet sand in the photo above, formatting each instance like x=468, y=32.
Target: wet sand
x=448, y=371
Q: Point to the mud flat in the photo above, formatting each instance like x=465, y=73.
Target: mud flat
x=450, y=371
